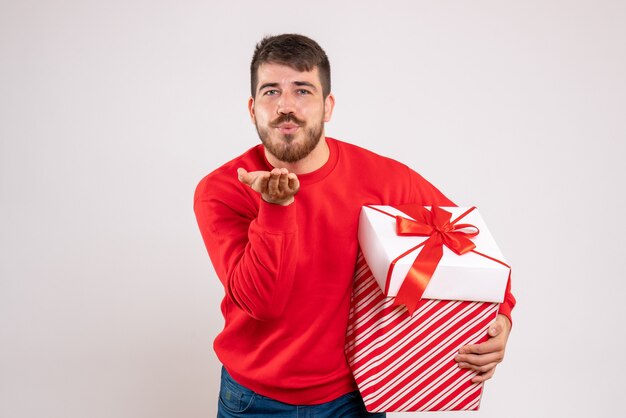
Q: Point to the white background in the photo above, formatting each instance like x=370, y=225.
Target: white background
x=112, y=111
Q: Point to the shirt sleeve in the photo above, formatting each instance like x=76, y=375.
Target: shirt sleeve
x=428, y=194
x=425, y=193
x=509, y=302
x=254, y=253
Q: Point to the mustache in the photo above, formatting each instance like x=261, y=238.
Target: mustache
x=288, y=118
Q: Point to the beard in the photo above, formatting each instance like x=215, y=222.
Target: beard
x=284, y=146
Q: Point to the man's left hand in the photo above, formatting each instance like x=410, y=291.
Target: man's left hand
x=485, y=357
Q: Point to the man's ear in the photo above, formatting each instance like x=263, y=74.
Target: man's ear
x=329, y=105
x=251, y=109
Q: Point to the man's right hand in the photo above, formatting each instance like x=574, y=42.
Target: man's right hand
x=277, y=186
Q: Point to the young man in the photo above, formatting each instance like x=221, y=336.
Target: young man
x=280, y=225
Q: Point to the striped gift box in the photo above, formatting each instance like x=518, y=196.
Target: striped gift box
x=406, y=363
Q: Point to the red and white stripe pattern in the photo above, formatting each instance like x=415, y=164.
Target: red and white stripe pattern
x=406, y=363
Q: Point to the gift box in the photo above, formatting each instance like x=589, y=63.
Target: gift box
x=425, y=285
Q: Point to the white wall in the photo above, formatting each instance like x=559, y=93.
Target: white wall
x=110, y=112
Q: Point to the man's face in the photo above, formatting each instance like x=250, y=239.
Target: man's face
x=289, y=111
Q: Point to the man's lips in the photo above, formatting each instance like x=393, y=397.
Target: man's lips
x=287, y=128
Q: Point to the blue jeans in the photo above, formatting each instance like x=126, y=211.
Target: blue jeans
x=238, y=401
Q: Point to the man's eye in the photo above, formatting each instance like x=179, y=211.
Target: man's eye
x=270, y=92
x=303, y=91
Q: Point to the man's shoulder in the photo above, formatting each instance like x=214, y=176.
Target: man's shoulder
x=363, y=155
x=387, y=178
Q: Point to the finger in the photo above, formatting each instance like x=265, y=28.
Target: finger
x=259, y=184
x=475, y=349
x=479, y=368
x=483, y=349
x=254, y=179
x=283, y=181
x=480, y=360
x=496, y=343
x=272, y=187
x=243, y=176
x=294, y=183
x=502, y=325
x=495, y=329
x=484, y=376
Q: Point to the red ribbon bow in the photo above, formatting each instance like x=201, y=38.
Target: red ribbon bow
x=436, y=225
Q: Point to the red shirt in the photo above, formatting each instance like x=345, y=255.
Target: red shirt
x=287, y=270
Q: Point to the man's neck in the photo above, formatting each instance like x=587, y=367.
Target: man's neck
x=315, y=160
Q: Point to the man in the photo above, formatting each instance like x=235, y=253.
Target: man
x=280, y=225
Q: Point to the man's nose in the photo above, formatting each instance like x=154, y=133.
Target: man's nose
x=286, y=104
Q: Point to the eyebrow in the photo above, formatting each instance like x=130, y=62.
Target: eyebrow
x=305, y=83
x=266, y=85
x=297, y=83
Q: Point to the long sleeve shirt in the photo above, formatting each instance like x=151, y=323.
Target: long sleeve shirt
x=287, y=270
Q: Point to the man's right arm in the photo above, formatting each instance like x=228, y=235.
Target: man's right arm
x=254, y=254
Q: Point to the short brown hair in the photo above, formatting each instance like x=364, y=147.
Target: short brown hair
x=296, y=51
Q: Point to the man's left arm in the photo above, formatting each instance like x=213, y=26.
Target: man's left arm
x=483, y=357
